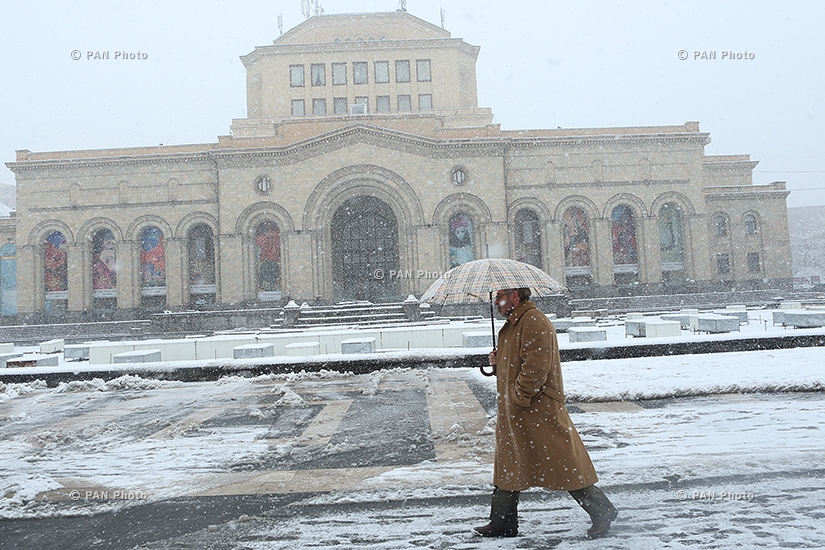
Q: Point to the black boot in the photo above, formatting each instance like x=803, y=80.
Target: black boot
x=503, y=515
x=598, y=507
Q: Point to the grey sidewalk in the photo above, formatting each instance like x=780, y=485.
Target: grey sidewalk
x=398, y=459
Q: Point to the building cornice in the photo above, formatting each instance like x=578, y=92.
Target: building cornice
x=358, y=132
x=325, y=49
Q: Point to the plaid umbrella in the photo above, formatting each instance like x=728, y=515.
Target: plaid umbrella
x=476, y=281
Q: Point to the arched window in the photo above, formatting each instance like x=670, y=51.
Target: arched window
x=201, y=251
x=720, y=224
x=462, y=239
x=625, y=247
x=8, y=280
x=528, y=237
x=751, y=227
x=576, y=235
x=56, y=276
x=104, y=270
x=268, y=261
x=152, y=258
x=152, y=268
x=104, y=264
x=625, y=251
x=671, y=239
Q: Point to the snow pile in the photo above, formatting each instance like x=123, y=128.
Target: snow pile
x=12, y=391
x=126, y=382
x=19, y=489
x=287, y=396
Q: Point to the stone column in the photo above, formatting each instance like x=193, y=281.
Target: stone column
x=650, y=270
x=229, y=269
x=554, y=259
x=80, y=277
x=175, y=272
x=699, y=256
x=601, y=263
x=28, y=280
x=298, y=270
x=127, y=285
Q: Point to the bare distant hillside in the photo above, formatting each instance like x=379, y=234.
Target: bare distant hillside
x=807, y=231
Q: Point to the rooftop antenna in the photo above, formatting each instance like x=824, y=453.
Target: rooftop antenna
x=443, y=13
x=318, y=8
x=402, y=5
x=281, y=23
x=305, y=9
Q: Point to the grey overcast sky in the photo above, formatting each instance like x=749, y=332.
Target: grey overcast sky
x=542, y=65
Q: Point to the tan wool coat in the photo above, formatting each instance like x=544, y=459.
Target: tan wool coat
x=536, y=442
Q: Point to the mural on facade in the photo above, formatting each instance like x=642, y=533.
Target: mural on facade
x=461, y=240
x=55, y=263
x=201, y=257
x=671, y=242
x=104, y=261
x=528, y=237
x=152, y=258
x=268, y=255
x=625, y=251
x=576, y=234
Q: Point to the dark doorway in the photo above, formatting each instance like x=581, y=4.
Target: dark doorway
x=365, y=251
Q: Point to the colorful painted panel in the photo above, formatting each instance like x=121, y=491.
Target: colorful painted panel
x=104, y=261
x=576, y=234
x=625, y=251
x=152, y=258
x=201, y=257
x=268, y=255
x=528, y=237
x=461, y=240
x=55, y=263
x=671, y=241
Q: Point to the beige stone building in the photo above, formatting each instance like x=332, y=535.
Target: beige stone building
x=366, y=168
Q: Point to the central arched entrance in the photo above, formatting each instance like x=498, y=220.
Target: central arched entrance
x=364, y=234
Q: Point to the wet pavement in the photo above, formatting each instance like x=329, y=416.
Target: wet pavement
x=400, y=459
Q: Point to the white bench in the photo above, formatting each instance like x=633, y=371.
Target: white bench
x=586, y=334
x=686, y=321
x=52, y=346
x=5, y=357
x=662, y=328
x=303, y=348
x=253, y=351
x=34, y=360
x=478, y=339
x=76, y=352
x=740, y=314
x=712, y=322
x=358, y=345
x=139, y=356
x=805, y=318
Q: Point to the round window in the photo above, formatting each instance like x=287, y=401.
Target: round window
x=459, y=176
x=264, y=184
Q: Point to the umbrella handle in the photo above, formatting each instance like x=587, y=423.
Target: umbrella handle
x=493, y=327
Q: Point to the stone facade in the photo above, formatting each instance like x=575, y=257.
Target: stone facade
x=334, y=189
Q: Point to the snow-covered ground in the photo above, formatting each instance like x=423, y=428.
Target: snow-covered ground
x=696, y=450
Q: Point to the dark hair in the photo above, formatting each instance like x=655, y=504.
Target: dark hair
x=524, y=294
